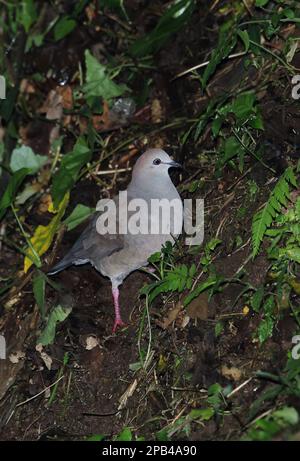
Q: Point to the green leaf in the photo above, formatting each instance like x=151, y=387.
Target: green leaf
x=231, y=148
x=261, y=3
x=57, y=315
x=257, y=299
x=278, y=198
x=292, y=253
x=199, y=289
x=28, y=15
x=70, y=167
x=173, y=20
x=219, y=328
x=288, y=415
x=78, y=215
x=1, y=154
x=63, y=27
x=125, y=435
x=242, y=106
x=202, y=414
x=269, y=306
x=24, y=157
x=98, y=83
x=265, y=329
x=243, y=34
x=257, y=122
x=226, y=43
x=39, y=284
x=14, y=183
x=162, y=435
x=95, y=438
x=43, y=235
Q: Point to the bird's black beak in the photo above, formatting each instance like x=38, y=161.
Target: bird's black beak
x=174, y=164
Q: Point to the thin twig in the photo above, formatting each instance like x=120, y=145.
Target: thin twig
x=40, y=393
x=239, y=387
x=204, y=64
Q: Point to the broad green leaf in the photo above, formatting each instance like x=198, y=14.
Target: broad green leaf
x=70, y=167
x=231, y=148
x=261, y=2
x=162, y=435
x=202, y=414
x=257, y=299
x=63, y=27
x=98, y=82
x=24, y=157
x=79, y=214
x=269, y=306
x=14, y=183
x=125, y=435
x=155, y=257
x=265, y=329
x=57, y=315
x=214, y=389
x=172, y=20
x=44, y=235
x=212, y=244
x=39, y=284
x=242, y=106
x=257, y=121
x=292, y=253
x=28, y=14
x=243, y=34
x=288, y=415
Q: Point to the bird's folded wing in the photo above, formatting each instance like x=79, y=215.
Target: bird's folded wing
x=93, y=246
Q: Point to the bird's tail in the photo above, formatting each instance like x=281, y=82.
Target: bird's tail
x=63, y=264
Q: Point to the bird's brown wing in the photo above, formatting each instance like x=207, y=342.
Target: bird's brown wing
x=90, y=247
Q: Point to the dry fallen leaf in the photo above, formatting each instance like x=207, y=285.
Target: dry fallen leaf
x=185, y=321
x=172, y=316
x=128, y=393
x=52, y=107
x=91, y=342
x=231, y=372
x=26, y=86
x=45, y=203
x=67, y=96
x=45, y=357
x=15, y=357
x=156, y=111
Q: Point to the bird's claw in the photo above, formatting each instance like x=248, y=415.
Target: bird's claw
x=118, y=324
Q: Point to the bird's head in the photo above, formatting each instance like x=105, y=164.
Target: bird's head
x=154, y=163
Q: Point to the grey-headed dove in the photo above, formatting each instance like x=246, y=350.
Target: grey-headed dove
x=117, y=255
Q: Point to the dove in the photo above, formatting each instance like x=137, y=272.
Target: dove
x=115, y=255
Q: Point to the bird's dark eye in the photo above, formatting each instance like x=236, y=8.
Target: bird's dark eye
x=156, y=161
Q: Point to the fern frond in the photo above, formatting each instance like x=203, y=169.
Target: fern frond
x=278, y=199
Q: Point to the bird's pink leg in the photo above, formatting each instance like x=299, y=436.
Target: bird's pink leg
x=118, y=321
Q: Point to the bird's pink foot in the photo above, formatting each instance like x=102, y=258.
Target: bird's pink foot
x=118, y=324
x=118, y=321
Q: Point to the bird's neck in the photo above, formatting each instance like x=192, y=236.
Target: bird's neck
x=158, y=187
